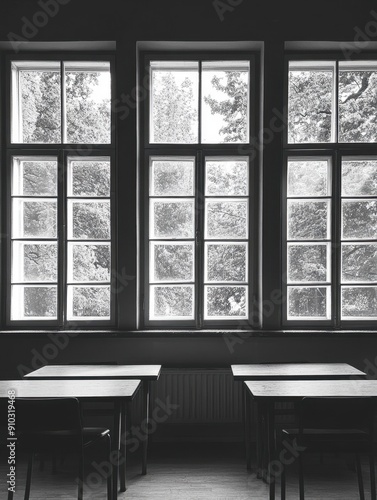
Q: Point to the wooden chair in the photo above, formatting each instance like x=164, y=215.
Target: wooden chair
x=334, y=425
x=49, y=425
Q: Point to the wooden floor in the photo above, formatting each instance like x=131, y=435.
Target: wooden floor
x=191, y=472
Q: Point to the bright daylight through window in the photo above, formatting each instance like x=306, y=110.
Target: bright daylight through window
x=331, y=190
x=61, y=224
x=199, y=186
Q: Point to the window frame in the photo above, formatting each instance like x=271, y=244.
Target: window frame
x=62, y=151
x=336, y=151
x=200, y=151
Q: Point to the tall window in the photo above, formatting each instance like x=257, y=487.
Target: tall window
x=331, y=192
x=61, y=161
x=199, y=180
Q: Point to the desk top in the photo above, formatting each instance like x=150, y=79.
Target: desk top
x=101, y=389
x=141, y=372
x=292, y=389
x=295, y=370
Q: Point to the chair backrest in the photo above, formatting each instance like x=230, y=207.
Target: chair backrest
x=336, y=413
x=45, y=415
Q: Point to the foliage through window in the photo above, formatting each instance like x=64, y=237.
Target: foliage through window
x=198, y=221
x=331, y=193
x=60, y=211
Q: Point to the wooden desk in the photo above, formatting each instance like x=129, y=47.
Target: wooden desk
x=267, y=392
x=116, y=391
x=284, y=371
x=146, y=373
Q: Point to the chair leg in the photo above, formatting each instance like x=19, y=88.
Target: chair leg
x=110, y=476
x=301, y=476
x=282, y=484
x=28, y=476
x=359, y=477
x=80, y=492
x=372, y=476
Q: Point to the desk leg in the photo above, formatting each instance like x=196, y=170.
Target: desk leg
x=146, y=394
x=116, y=445
x=259, y=440
x=123, y=448
x=271, y=447
x=246, y=403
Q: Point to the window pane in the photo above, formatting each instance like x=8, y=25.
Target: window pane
x=357, y=94
x=34, y=218
x=359, y=302
x=174, y=102
x=89, y=177
x=225, y=104
x=172, y=262
x=308, y=220
x=87, y=262
x=227, y=178
x=36, y=110
x=359, y=262
x=308, y=302
x=359, y=177
x=226, y=262
x=310, y=102
x=34, y=261
x=308, y=178
x=225, y=302
x=308, y=263
x=172, y=302
x=34, y=177
x=89, y=219
x=359, y=219
x=88, y=95
x=34, y=302
x=89, y=302
x=226, y=219
x=172, y=218
x=172, y=177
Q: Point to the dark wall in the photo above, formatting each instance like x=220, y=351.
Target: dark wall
x=128, y=22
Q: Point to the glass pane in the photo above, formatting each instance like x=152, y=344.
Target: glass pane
x=308, y=263
x=227, y=178
x=226, y=219
x=89, y=262
x=34, y=218
x=89, y=302
x=34, y=302
x=226, y=262
x=310, y=103
x=359, y=177
x=88, y=108
x=225, y=302
x=34, y=261
x=308, y=178
x=33, y=177
x=36, y=117
x=172, y=177
x=225, y=103
x=172, y=218
x=174, y=102
x=308, y=220
x=359, y=302
x=308, y=302
x=89, y=220
x=172, y=302
x=359, y=219
x=89, y=177
x=357, y=94
x=172, y=262
x=359, y=262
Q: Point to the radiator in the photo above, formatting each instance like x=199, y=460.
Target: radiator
x=202, y=396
